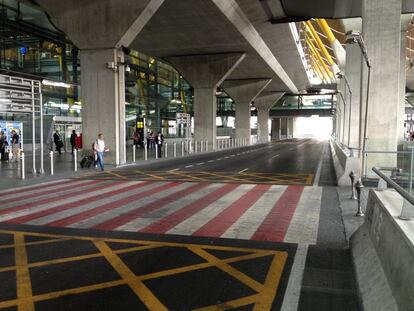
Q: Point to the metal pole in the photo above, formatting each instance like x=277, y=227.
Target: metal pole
x=182, y=148
x=352, y=176
x=195, y=146
x=134, y=153
x=175, y=150
x=206, y=145
x=145, y=152
x=190, y=147
x=75, y=159
x=201, y=146
x=365, y=159
x=51, y=163
x=22, y=166
x=364, y=143
x=42, y=168
x=410, y=175
x=156, y=151
x=33, y=131
x=166, y=150
x=358, y=187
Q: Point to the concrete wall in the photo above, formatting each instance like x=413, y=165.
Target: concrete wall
x=343, y=164
x=383, y=251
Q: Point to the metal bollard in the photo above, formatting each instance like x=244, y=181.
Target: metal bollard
x=195, y=146
x=145, y=152
x=182, y=148
x=51, y=163
x=201, y=146
x=22, y=166
x=358, y=187
x=156, y=152
x=352, y=176
x=134, y=153
x=166, y=150
x=175, y=150
x=190, y=147
x=206, y=145
x=75, y=159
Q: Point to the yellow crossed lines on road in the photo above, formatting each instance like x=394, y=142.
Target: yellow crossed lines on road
x=262, y=298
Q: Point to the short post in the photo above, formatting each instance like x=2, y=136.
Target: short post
x=201, y=146
x=156, y=152
x=190, y=147
x=182, y=148
x=166, y=150
x=175, y=150
x=145, y=152
x=358, y=187
x=51, y=163
x=206, y=145
x=22, y=166
x=75, y=159
x=134, y=147
x=195, y=146
x=352, y=176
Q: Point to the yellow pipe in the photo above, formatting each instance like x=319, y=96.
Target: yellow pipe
x=183, y=101
x=319, y=42
x=316, y=68
x=326, y=29
x=319, y=58
x=322, y=72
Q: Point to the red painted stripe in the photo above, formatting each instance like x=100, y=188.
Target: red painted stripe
x=108, y=206
x=60, y=208
x=219, y=224
x=36, y=187
x=50, y=191
x=170, y=221
x=142, y=210
x=55, y=199
x=276, y=224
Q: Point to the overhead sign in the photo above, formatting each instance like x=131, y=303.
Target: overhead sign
x=182, y=118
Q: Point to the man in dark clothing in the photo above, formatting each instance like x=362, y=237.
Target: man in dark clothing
x=15, y=145
x=58, y=141
x=3, y=144
x=159, y=140
x=73, y=140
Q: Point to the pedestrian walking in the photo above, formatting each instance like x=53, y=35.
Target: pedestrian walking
x=73, y=140
x=3, y=143
x=159, y=140
x=99, y=148
x=15, y=145
x=58, y=141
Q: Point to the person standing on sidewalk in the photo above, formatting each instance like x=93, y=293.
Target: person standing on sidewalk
x=58, y=141
x=3, y=143
x=99, y=148
x=73, y=140
x=159, y=140
x=15, y=145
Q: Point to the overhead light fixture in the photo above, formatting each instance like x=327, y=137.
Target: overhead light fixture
x=56, y=84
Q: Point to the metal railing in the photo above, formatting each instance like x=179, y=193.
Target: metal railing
x=407, y=211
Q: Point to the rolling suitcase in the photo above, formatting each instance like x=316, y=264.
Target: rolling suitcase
x=87, y=162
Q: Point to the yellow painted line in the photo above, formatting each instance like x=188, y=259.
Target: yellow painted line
x=222, y=175
x=187, y=176
x=233, y=304
x=228, y=269
x=309, y=179
x=146, y=296
x=151, y=175
x=34, y=243
x=115, y=174
x=23, y=282
x=272, y=282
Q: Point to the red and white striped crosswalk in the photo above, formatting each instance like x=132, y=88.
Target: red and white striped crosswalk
x=240, y=211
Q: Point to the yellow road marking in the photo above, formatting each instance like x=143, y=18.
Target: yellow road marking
x=34, y=243
x=227, y=176
x=187, y=176
x=233, y=304
x=309, y=179
x=151, y=175
x=272, y=282
x=23, y=282
x=116, y=175
x=146, y=296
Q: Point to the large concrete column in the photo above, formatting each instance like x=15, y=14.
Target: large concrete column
x=276, y=128
x=383, y=45
x=205, y=73
x=284, y=128
x=243, y=93
x=290, y=127
x=263, y=105
x=99, y=29
x=353, y=75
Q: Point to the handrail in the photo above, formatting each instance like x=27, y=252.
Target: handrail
x=393, y=184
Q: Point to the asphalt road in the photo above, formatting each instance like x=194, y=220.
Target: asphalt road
x=298, y=156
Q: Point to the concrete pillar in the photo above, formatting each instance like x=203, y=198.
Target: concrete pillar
x=205, y=73
x=276, y=129
x=353, y=75
x=243, y=92
x=284, y=128
x=384, y=48
x=263, y=104
x=290, y=128
x=99, y=29
x=103, y=97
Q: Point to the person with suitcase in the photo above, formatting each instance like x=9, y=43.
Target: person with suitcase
x=99, y=147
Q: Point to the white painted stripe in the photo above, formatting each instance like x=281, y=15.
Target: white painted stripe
x=189, y=166
x=276, y=155
x=191, y=224
x=142, y=222
x=176, y=169
x=27, y=188
x=201, y=163
x=54, y=194
x=292, y=294
x=243, y=170
x=249, y=222
x=318, y=171
x=210, y=161
x=304, y=225
x=91, y=205
x=129, y=207
x=75, y=198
